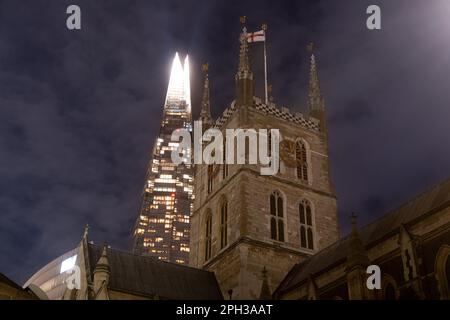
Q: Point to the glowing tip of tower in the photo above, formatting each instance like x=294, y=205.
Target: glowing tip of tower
x=179, y=84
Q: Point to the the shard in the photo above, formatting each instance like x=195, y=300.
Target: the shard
x=162, y=228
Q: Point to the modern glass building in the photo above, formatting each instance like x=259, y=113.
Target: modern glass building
x=51, y=277
x=162, y=227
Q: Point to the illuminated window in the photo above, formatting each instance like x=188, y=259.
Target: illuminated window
x=147, y=244
x=301, y=160
x=68, y=264
x=306, y=229
x=276, y=216
x=208, y=229
x=223, y=224
x=165, y=189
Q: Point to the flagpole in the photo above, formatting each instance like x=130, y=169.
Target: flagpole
x=264, y=27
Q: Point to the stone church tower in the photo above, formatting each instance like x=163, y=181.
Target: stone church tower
x=250, y=229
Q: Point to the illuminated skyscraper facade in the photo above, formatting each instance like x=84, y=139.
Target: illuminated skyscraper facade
x=162, y=228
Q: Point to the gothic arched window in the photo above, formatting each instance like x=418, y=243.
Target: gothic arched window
x=442, y=271
x=447, y=272
x=224, y=165
x=301, y=161
x=389, y=292
x=223, y=224
x=210, y=177
x=276, y=216
x=208, y=236
x=389, y=286
x=306, y=227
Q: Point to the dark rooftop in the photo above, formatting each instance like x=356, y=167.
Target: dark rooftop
x=149, y=276
x=9, y=283
x=433, y=199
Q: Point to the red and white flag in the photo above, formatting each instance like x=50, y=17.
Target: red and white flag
x=258, y=36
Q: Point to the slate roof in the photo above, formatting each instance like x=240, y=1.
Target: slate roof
x=435, y=198
x=4, y=279
x=8, y=282
x=149, y=276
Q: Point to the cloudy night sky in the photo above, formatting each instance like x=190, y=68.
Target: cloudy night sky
x=79, y=110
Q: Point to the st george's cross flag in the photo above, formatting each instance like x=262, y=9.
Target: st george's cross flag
x=258, y=36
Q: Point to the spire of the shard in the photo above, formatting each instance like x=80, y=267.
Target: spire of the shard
x=178, y=91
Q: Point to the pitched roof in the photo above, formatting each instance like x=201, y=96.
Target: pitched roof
x=433, y=199
x=149, y=276
x=9, y=283
x=4, y=279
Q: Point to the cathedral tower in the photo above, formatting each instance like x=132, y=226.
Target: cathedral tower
x=244, y=223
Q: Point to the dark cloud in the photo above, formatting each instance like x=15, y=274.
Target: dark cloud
x=79, y=110
x=355, y=111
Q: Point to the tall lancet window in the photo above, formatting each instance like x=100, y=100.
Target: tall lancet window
x=276, y=216
x=208, y=235
x=210, y=177
x=224, y=165
x=306, y=227
x=269, y=145
x=301, y=160
x=223, y=224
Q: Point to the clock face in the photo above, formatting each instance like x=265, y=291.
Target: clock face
x=287, y=153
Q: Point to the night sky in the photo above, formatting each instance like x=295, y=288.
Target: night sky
x=79, y=110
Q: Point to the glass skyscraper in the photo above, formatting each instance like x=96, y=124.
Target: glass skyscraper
x=162, y=228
